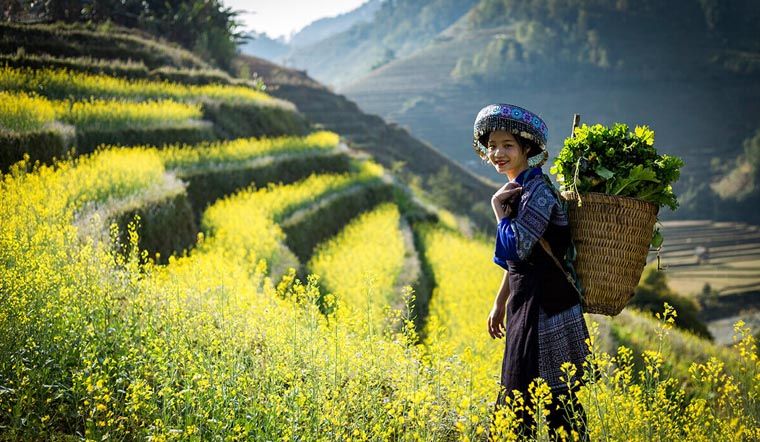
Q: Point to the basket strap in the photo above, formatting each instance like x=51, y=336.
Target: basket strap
x=548, y=250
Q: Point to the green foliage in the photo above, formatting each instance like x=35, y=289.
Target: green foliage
x=206, y=186
x=538, y=31
x=739, y=177
x=615, y=161
x=166, y=227
x=204, y=26
x=733, y=189
x=498, y=53
x=752, y=150
x=185, y=132
x=191, y=76
x=80, y=40
x=233, y=120
x=444, y=189
x=129, y=69
x=614, y=35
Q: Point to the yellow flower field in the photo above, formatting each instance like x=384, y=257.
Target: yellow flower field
x=242, y=149
x=20, y=112
x=361, y=264
x=113, y=114
x=110, y=346
x=201, y=347
x=244, y=225
x=623, y=401
x=466, y=281
x=62, y=83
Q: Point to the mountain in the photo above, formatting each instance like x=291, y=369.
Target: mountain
x=265, y=46
x=397, y=30
x=325, y=27
x=688, y=68
x=280, y=51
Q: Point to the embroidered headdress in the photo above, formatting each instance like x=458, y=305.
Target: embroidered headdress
x=513, y=119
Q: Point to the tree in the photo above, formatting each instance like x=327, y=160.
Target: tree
x=444, y=190
x=205, y=26
x=653, y=290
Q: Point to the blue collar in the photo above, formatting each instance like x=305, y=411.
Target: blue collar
x=527, y=174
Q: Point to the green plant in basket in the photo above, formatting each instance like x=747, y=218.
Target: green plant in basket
x=616, y=161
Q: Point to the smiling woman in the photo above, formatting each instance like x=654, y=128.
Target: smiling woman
x=545, y=326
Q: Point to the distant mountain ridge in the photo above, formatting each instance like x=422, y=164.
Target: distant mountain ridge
x=278, y=50
x=266, y=47
x=687, y=68
x=325, y=27
x=398, y=29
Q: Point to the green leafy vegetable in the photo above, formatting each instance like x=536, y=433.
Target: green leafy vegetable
x=604, y=172
x=634, y=178
x=616, y=161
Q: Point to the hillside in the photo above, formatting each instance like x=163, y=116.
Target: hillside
x=273, y=49
x=208, y=262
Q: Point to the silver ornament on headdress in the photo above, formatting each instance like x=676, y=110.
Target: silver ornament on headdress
x=538, y=160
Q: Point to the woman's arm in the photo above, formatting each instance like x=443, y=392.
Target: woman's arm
x=496, y=317
x=503, y=294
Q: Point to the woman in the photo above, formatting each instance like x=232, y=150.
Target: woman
x=544, y=319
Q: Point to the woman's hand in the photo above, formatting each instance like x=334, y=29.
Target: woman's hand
x=496, y=321
x=503, y=197
x=507, y=193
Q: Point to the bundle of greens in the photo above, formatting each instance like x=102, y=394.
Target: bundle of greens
x=616, y=161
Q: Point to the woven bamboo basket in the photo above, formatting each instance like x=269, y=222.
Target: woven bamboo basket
x=612, y=235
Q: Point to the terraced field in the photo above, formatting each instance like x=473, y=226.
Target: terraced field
x=725, y=281
x=279, y=285
x=733, y=265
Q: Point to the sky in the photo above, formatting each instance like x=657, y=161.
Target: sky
x=285, y=17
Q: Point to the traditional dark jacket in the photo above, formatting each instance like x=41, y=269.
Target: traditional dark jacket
x=537, y=213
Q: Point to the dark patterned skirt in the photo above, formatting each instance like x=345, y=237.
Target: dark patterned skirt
x=561, y=338
x=539, y=347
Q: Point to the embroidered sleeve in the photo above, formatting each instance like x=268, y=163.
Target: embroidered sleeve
x=537, y=206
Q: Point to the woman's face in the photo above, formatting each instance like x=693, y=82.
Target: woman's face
x=505, y=153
